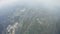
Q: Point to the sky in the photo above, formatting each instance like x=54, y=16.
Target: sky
x=7, y=2
x=46, y=3
x=49, y=2
x=31, y=2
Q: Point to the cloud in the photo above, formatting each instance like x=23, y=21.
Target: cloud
x=7, y=2
x=46, y=3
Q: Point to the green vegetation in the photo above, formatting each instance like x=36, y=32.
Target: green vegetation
x=33, y=21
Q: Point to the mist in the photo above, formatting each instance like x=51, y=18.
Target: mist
x=31, y=16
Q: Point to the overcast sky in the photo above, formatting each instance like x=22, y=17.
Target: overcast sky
x=51, y=2
x=46, y=3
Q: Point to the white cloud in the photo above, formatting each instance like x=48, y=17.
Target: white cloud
x=47, y=3
x=7, y=2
